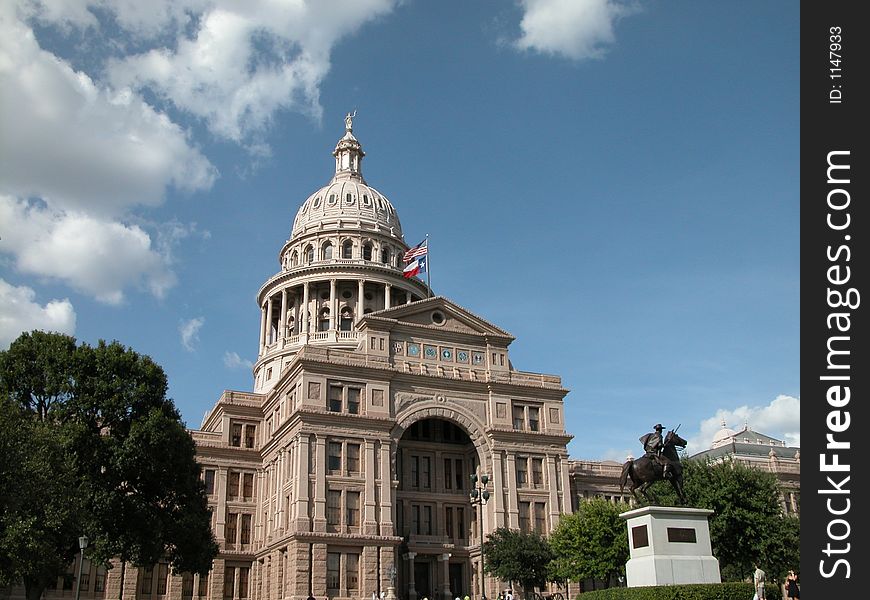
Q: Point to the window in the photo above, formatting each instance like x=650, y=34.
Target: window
x=162, y=578
x=208, y=476
x=385, y=255
x=147, y=581
x=522, y=471
x=519, y=417
x=186, y=585
x=245, y=537
x=333, y=571
x=347, y=249
x=100, y=580
x=333, y=509
x=534, y=411
x=334, y=457
x=233, y=484
x=538, y=472
x=327, y=251
x=203, y=586
x=229, y=582
x=323, y=322
x=352, y=516
x=524, y=517
x=448, y=474
x=353, y=458
x=421, y=519
x=344, y=398
x=420, y=472
x=232, y=519
x=250, y=432
x=351, y=568
x=244, y=574
x=309, y=254
x=236, y=437
x=540, y=519
x=367, y=251
x=85, y=580
x=526, y=417
x=346, y=319
x=248, y=487
x=294, y=259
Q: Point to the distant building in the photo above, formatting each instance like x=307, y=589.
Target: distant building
x=761, y=451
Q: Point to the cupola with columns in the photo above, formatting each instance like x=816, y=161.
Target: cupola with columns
x=343, y=260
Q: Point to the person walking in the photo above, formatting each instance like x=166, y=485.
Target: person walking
x=792, y=589
x=758, y=579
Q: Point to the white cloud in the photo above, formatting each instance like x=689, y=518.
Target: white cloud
x=234, y=361
x=189, y=331
x=575, y=29
x=94, y=256
x=80, y=146
x=19, y=313
x=779, y=419
x=244, y=61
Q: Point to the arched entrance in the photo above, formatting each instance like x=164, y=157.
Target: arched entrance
x=435, y=459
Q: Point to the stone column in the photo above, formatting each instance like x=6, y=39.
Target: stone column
x=318, y=570
x=513, y=512
x=221, y=491
x=444, y=559
x=282, y=326
x=262, y=328
x=361, y=287
x=567, y=502
x=386, y=490
x=269, y=339
x=332, y=303
x=412, y=591
x=305, y=309
x=498, y=489
x=553, y=500
x=387, y=289
x=303, y=483
x=320, y=485
x=370, y=523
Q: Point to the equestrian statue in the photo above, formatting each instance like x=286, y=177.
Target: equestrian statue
x=660, y=461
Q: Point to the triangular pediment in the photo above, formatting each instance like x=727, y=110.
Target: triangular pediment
x=437, y=313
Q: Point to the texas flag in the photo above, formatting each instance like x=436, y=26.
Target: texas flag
x=415, y=267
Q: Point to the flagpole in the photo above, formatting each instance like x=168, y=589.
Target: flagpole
x=428, y=270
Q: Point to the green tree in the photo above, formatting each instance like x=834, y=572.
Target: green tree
x=747, y=525
x=513, y=555
x=592, y=543
x=108, y=455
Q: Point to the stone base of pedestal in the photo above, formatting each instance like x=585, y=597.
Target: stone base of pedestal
x=669, y=546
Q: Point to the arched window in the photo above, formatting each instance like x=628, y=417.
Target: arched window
x=327, y=251
x=385, y=255
x=347, y=249
x=323, y=322
x=294, y=259
x=309, y=254
x=346, y=319
x=367, y=251
x=291, y=325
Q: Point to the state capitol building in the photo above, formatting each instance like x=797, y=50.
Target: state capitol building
x=373, y=404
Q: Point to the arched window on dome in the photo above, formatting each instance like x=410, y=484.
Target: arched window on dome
x=347, y=249
x=326, y=251
x=291, y=325
x=385, y=255
x=367, y=251
x=346, y=319
x=294, y=259
x=309, y=254
x=323, y=321
x=398, y=258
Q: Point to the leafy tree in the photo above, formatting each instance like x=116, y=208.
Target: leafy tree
x=592, y=543
x=105, y=454
x=513, y=555
x=747, y=525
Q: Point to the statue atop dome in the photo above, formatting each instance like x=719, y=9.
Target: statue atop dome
x=348, y=121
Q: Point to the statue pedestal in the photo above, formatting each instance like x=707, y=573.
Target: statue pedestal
x=391, y=593
x=669, y=546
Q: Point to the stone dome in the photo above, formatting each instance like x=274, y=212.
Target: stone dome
x=347, y=198
x=723, y=436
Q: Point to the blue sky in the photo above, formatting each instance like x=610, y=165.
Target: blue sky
x=615, y=183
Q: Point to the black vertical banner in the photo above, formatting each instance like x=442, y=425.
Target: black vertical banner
x=835, y=362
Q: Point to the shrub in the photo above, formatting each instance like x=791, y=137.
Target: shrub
x=695, y=591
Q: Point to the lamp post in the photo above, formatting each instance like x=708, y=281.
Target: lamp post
x=83, y=543
x=479, y=496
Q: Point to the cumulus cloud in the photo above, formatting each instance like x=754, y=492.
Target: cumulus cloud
x=237, y=63
x=19, y=312
x=575, y=29
x=233, y=361
x=779, y=419
x=189, y=331
x=94, y=256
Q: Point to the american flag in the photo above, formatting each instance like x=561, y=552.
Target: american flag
x=420, y=249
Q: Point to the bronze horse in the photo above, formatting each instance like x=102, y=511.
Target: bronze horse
x=645, y=471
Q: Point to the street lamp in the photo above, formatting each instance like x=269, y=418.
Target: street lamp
x=83, y=543
x=479, y=496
